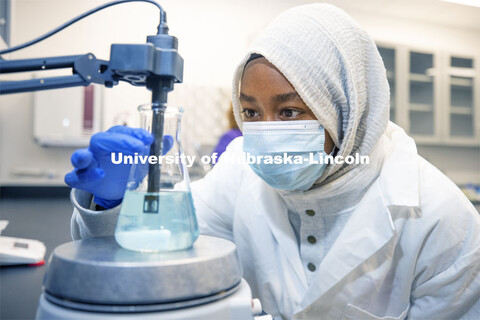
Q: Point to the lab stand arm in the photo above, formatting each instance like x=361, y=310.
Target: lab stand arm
x=85, y=69
x=138, y=64
x=155, y=65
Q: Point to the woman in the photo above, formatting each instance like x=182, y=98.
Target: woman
x=390, y=239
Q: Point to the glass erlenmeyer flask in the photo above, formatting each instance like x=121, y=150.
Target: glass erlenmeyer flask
x=157, y=211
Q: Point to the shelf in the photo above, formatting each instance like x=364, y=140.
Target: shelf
x=461, y=82
x=461, y=110
x=420, y=77
x=448, y=142
x=421, y=107
x=461, y=72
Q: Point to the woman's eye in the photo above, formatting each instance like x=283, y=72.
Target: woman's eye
x=249, y=113
x=291, y=113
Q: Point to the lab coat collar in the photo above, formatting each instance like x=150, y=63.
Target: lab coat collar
x=394, y=160
x=368, y=230
x=399, y=177
x=344, y=192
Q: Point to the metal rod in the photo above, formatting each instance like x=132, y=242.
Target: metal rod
x=42, y=84
x=156, y=148
x=159, y=100
x=8, y=66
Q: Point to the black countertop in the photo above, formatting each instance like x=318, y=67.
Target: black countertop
x=34, y=214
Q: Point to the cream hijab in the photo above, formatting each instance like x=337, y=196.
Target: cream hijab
x=336, y=69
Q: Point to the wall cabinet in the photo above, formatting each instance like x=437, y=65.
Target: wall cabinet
x=434, y=94
x=461, y=107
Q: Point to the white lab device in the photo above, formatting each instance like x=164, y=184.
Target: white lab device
x=96, y=279
x=15, y=251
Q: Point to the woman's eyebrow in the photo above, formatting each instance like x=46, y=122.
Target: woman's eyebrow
x=246, y=98
x=285, y=97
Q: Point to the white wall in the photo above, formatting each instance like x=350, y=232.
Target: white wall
x=213, y=36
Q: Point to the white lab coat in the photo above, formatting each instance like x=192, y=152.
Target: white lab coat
x=411, y=247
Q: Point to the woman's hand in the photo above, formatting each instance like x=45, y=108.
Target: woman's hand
x=94, y=171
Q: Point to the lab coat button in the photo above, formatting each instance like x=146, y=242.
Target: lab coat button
x=311, y=266
x=311, y=213
x=312, y=239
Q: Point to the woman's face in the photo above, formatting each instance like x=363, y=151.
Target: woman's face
x=266, y=95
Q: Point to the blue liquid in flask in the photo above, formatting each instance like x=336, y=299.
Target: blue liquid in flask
x=173, y=227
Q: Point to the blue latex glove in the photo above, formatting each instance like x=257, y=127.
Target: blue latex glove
x=94, y=171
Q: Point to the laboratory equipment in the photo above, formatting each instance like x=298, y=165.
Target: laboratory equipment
x=159, y=218
x=97, y=279
x=155, y=65
x=16, y=251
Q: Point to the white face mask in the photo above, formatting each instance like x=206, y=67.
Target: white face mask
x=290, y=152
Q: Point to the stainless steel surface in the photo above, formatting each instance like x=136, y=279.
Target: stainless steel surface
x=99, y=271
x=151, y=307
x=237, y=306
